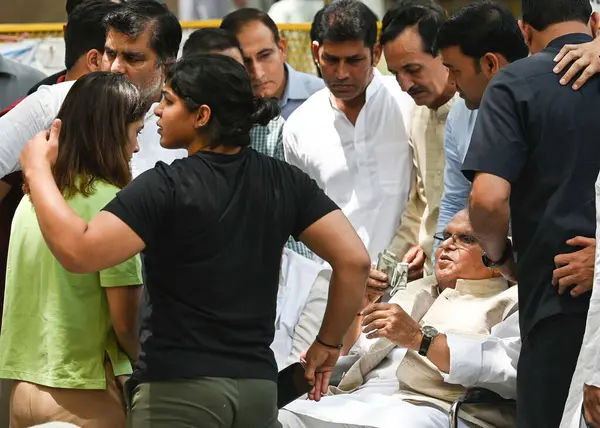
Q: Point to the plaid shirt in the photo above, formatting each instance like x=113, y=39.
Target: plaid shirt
x=268, y=140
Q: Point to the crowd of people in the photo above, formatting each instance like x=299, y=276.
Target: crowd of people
x=175, y=232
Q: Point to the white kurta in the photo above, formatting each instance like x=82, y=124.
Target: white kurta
x=489, y=363
x=296, y=280
x=588, y=364
x=364, y=168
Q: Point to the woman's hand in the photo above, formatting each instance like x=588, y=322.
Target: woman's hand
x=582, y=59
x=319, y=362
x=42, y=150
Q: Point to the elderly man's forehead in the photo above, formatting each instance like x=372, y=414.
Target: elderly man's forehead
x=460, y=222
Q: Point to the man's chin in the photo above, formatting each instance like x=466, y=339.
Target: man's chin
x=263, y=91
x=344, y=96
x=421, y=99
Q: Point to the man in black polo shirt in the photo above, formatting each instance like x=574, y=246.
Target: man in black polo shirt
x=534, y=154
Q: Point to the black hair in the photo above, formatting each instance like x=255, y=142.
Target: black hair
x=347, y=20
x=223, y=84
x=135, y=16
x=316, y=26
x=72, y=4
x=482, y=27
x=315, y=30
x=235, y=21
x=427, y=15
x=206, y=40
x=84, y=30
x=540, y=14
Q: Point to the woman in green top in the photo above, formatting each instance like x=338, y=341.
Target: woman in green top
x=66, y=338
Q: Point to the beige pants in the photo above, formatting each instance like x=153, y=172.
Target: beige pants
x=33, y=404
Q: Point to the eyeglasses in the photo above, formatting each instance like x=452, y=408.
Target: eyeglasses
x=463, y=240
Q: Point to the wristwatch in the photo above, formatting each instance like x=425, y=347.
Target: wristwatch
x=506, y=254
x=429, y=333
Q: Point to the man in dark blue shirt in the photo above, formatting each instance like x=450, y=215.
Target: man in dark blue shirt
x=534, y=154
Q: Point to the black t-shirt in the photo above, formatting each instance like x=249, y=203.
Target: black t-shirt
x=214, y=226
x=542, y=138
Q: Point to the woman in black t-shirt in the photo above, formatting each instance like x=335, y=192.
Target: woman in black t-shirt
x=212, y=228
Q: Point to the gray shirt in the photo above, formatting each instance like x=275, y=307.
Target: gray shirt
x=15, y=81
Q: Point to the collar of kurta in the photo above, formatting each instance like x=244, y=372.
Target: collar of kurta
x=481, y=287
x=441, y=114
x=473, y=287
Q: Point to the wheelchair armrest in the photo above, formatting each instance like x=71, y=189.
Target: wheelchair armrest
x=475, y=396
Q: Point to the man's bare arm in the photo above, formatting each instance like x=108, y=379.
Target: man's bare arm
x=489, y=211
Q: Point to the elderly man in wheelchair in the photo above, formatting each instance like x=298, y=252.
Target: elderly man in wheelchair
x=425, y=349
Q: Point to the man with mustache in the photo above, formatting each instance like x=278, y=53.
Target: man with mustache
x=407, y=37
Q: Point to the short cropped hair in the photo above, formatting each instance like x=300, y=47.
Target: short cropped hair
x=347, y=20
x=427, y=15
x=135, y=16
x=206, y=40
x=540, y=14
x=316, y=26
x=235, y=21
x=482, y=27
x=84, y=30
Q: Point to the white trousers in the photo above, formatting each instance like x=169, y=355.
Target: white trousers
x=405, y=416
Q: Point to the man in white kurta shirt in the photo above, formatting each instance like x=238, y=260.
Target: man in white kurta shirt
x=391, y=385
x=135, y=54
x=586, y=379
x=351, y=137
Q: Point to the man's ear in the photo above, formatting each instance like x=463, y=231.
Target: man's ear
x=163, y=71
x=594, y=23
x=93, y=60
x=376, y=54
x=282, y=45
x=526, y=31
x=315, y=51
x=490, y=65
